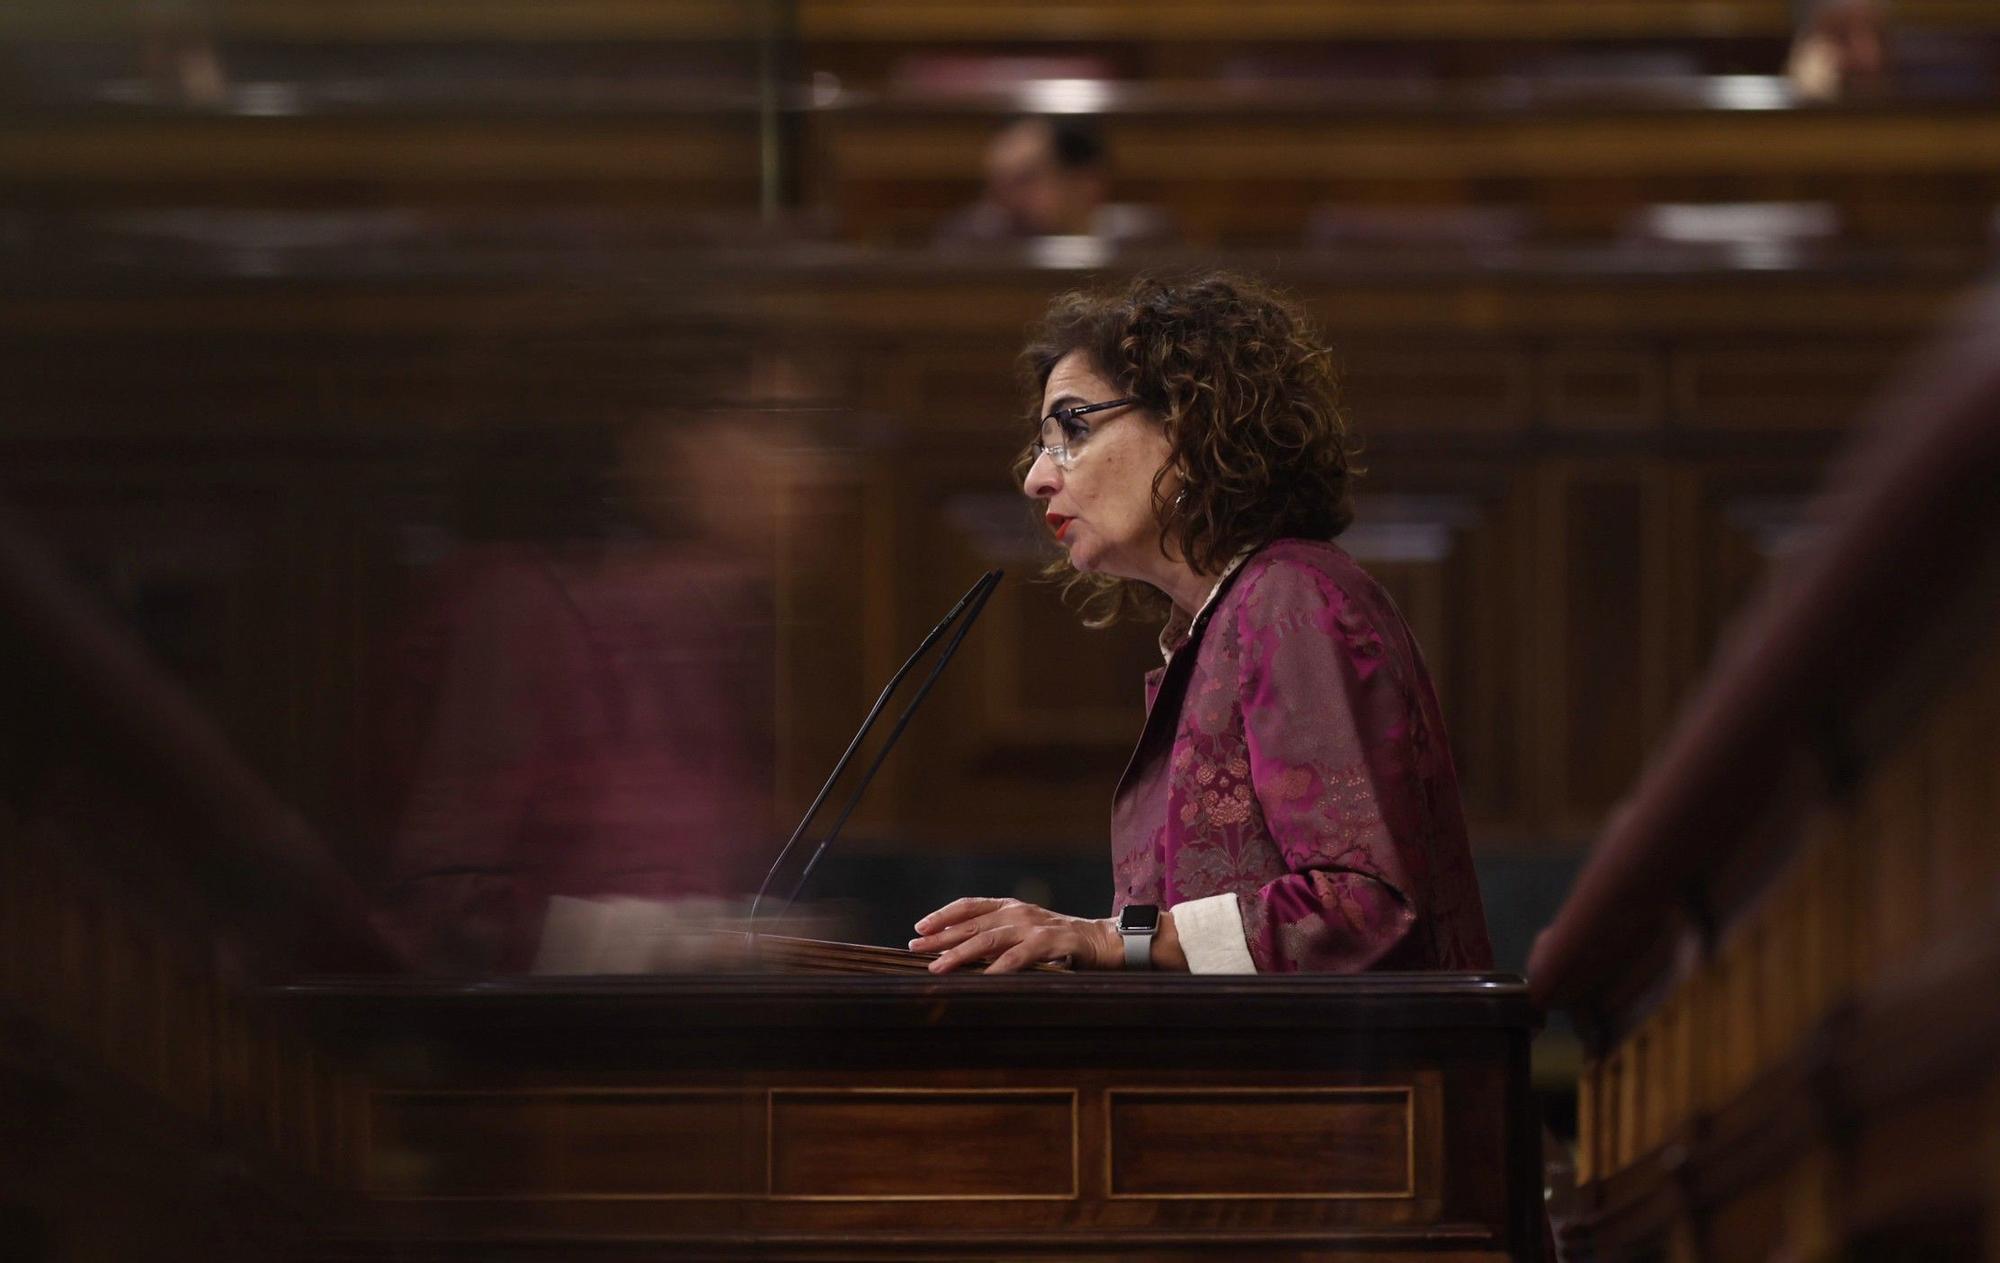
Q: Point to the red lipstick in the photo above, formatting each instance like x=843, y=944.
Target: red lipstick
x=1059, y=523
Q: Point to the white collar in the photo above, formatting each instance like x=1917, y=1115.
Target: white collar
x=1178, y=624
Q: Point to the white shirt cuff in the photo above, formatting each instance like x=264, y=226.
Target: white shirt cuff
x=1211, y=934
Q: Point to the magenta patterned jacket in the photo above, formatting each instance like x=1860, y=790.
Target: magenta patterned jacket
x=1294, y=757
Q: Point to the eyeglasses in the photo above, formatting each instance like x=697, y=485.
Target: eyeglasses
x=1062, y=434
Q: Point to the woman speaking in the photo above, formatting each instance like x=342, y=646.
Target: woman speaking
x=1291, y=804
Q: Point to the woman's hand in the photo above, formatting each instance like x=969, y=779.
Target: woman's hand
x=1014, y=935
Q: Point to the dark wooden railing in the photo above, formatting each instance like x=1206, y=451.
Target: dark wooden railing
x=149, y=883
x=1782, y=950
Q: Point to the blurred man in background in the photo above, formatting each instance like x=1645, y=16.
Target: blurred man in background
x=1841, y=50
x=1044, y=177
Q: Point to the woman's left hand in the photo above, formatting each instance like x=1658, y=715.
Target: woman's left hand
x=1014, y=935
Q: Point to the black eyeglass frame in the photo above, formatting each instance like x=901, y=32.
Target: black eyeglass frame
x=1064, y=417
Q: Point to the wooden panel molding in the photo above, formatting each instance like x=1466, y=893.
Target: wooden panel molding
x=560, y=1144
x=899, y=1144
x=1512, y=434
x=1255, y=1143
x=842, y=1117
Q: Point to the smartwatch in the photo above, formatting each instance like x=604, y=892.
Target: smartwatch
x=1137, y=924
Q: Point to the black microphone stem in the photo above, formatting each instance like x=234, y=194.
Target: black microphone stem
x=978, y=591
x=902, y=722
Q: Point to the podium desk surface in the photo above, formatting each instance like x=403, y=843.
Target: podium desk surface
x=870, y=1116
x=372, y=1006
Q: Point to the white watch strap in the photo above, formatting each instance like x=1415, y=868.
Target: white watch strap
x=1138, y=948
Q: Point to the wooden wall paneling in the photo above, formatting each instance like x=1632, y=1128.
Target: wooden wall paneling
x=1659, y=1079
x=1746, y=1004
x=179, y=1036
x=1991, y=1172
x=1813, y=1189
x=211, y=562
x=968, y=390
x=1853, y=833
x=895, y=167
x=1903, y=849
x=1041, y=712
x=366, y=526
x=908, y=138
x=1589, y=1121
x=566, y=1135
x=125, y=1003
x=1733, y=521
x=1478, y=382
x=1745, y=1229
x=1845, y=941
x=1815, y=984
x=1367, y=1138
x=1773, y=384
x=1445, y=543
x=1915, y=1173
x=1625, y=1134
x=1785, y=1015
x=231, y=1065
x=429, y=21
x=135, y=1048
x=1689, y=1035
x=1615, y=388
x=835, y=640
x=1742, y=518
x=1642, y=1068
x=41, y=926
x=677, y=21
x=1604, y=1146
x=841, y=1144
x=1735, y=1016
x=1288, y=20
x=841, y=632
x=76, y=997
x=663, y=161
x=1964, y=803
x=1032, y=740
x=1435, y=384
x=1777, y=1021
x=1602, y=619
x=1048, y=680
x=1157, y=30
x=1709, y=993
x=264, y=1093
x=14, y=948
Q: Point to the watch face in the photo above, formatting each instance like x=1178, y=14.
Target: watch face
x=1139, y=918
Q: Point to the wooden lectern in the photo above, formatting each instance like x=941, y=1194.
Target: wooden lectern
x=180, y=1079
x=841, y=1115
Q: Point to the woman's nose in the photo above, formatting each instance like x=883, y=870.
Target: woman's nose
x=1043, y=477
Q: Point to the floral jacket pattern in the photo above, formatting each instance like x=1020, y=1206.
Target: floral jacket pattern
x=1294, y=756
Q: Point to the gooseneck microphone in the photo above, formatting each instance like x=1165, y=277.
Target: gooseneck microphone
x=964, y=614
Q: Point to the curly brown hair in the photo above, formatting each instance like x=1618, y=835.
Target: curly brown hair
x=1247, y=395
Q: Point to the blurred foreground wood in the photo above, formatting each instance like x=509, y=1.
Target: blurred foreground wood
x=1782, y=953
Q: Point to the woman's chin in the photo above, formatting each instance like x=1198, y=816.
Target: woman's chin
x=1098, y=565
